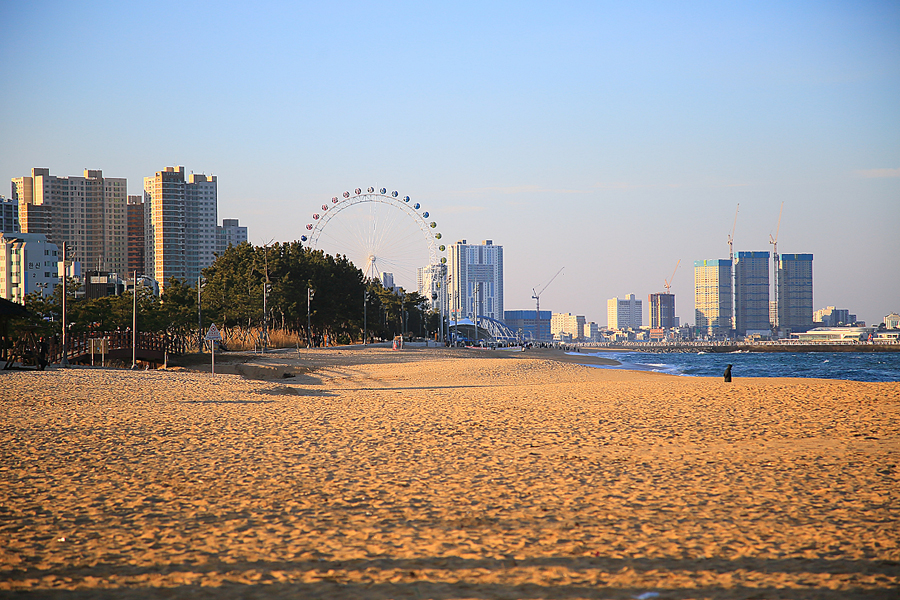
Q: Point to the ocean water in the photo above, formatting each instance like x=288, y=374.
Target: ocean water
x=855, y=366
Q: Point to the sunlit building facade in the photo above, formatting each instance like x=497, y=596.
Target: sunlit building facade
x=567, y=327
x=87, y=213
x=624, y=313
x=179, y=224
x=712, y=297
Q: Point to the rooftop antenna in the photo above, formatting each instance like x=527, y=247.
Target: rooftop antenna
x=537, y=298
x=669, y=281
x=774, y=242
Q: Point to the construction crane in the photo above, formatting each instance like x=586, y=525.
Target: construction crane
x=537, y=299
x=774, y=242
x=731, y=237
x=669, y=281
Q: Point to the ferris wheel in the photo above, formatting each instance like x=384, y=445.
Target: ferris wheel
x=379, y=231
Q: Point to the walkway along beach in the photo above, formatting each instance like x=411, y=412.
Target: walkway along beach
x=436, y=473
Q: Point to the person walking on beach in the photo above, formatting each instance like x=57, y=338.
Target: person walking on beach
x=728, y=374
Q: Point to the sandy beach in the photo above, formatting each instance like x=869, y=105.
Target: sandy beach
x=438, y=473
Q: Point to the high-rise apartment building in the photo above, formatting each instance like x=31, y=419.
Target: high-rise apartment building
x=135, y=209
x=180, y=224
x=28, y=263
x=475, y=278
x=432, y=285
x=9, y=215
x=795, y=292
x=533, y=327
x=230, y=233
x=87, y=213
x=662, y=311
x=624, y=313
x=567, y=327
x=751, y=292
x=712, y=297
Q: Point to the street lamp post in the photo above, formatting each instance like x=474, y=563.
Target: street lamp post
x=199, y=316
x=134, y=327
x=365, y=316
x=309, y=296
x=265, y=302
x=65, y=358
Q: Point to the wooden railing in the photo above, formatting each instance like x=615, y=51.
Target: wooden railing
x=81, y=344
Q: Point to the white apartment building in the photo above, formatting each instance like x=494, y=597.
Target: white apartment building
x=88, y=213
x=624, y=313
x=179, y=224
x=432, y=285
x=475, y=279
x=28, y=263
x=567, y=327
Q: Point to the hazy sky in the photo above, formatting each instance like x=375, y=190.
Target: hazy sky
x=610, y=138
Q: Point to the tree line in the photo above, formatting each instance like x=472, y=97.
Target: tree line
x=232, y=289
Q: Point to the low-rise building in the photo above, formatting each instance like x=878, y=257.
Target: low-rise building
x=567, y=327
x=833, y=317
x=892, y=321
x=831, y=334
x=533, y=327
x=229, y=233
x=28, y=263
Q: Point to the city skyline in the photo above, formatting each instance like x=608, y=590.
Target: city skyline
x=610, y=140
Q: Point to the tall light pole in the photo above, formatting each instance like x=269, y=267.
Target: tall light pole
x=134, y=327
x=265, y=301
x=309, y=296
x=476, y=287
x=365, y=316
x=199, y=316
x=65, y=348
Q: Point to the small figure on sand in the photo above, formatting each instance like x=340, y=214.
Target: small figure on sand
x=42, y=354
x=728, y=374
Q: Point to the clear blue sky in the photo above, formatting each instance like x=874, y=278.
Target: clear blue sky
x=610, y=138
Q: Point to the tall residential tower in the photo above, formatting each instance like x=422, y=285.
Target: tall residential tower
x=795, y=292
x=751, y=292
x=662, y=311
x=179, y=224
x=87, y=213
x=712, y=297
x=475, y=279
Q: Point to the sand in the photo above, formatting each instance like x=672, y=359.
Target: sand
x=445, y=474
